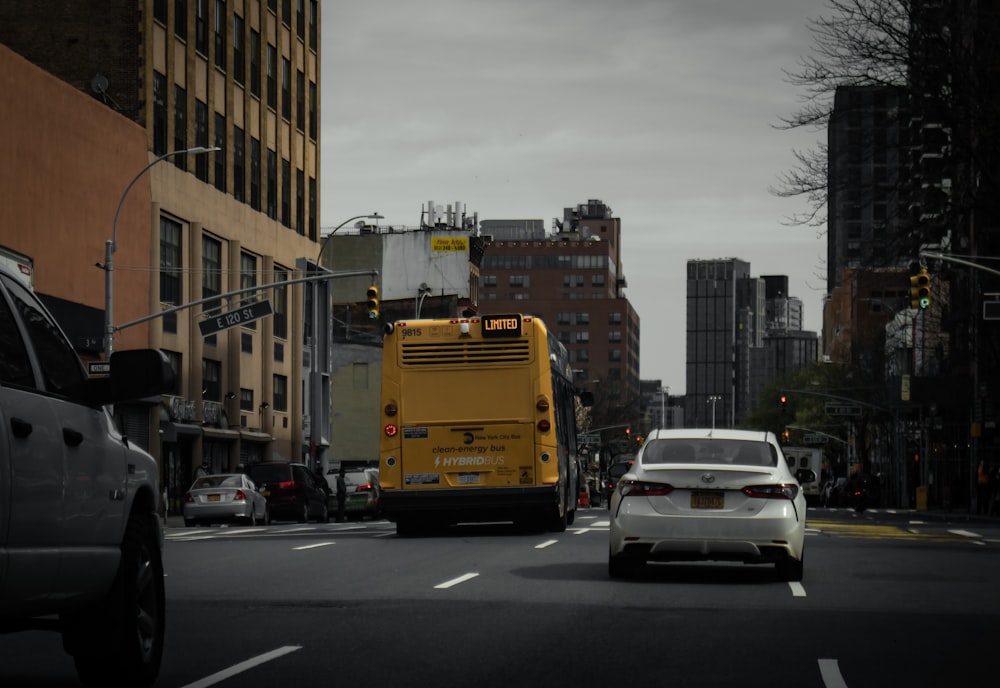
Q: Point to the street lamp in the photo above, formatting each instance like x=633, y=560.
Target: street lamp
x=663, y=415
x=712, y=400
x=111, y=245
x=326, y=238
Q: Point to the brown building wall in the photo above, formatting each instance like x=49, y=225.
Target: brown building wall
x=66, y=162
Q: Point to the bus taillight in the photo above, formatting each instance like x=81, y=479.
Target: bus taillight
x=542, y=404
x=544, y=425
x=391, y=430
x=391, y=410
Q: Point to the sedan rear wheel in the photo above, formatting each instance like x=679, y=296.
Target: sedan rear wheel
x=790, y=569
x=624, y=566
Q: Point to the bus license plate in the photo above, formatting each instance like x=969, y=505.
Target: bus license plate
x=707, y=500
x=468, y=478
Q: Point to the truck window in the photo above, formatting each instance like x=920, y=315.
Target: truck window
x=61, y=369
x=15, y=369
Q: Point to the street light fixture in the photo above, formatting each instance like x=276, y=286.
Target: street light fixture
x=325, y=239
x=713, y=400
x=663, y=416
x=111, y=245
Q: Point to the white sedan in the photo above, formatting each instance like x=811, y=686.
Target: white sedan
x=709, y=495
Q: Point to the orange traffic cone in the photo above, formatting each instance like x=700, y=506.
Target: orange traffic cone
x=584, y=498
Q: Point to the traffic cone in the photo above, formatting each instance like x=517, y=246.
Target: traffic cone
x=584, y=498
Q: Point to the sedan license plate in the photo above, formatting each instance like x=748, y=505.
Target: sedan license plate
x=707, y=500
x=214, y=498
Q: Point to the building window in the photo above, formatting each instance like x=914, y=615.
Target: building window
x=615, y=355
x=572, y=280
x=160, y=11
x=582, y=337
x=519, y=281
x=286, y=88
x=313, y=123
x=488, y=280
x=248, y=278
x=200, y=139
x=597, y=280
x=272, y=77
x=220, y=155
x=520, y=296
x=313, y=33
x=211, y=380
x=615, y=336
x=300, y=100
x=159, y=113
x=272, y=184
x=286, y=193
x=286, y=12
x=280, y=393
x=246, y=399
x=201, y=26
x=254, y=63
x=312, y=209
x=239, y=164
x=246, y=342
x=176, y=360
x=614, y=318
x=180, y=126
x=220, y=34
x=280, y=318
x=211, y=278
x=583, y=318
x=300, y=19
x=170, y=268
x=254, y=173
x=239, y=59
x=300, y=204
x=180, y=19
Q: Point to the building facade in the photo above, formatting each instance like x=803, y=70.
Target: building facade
x=239, y=76
x=573, y=280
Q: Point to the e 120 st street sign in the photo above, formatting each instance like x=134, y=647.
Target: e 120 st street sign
x=240, y=316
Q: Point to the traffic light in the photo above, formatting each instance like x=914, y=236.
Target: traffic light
x=920, y=289
x=628, y=433
x=372, y=295
x=784, y=402
x=785, y=436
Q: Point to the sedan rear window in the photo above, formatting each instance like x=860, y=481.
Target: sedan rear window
x=709, y=451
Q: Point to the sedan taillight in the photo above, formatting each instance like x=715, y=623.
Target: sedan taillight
x=240, y=496
x=782, y=491
x=639, y=488
x=188, y=497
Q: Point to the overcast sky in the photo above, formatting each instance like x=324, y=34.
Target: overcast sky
x=663, y=109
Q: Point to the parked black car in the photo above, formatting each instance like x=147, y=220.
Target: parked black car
x=291, y=491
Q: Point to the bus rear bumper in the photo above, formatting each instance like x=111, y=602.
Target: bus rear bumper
x=469, y=503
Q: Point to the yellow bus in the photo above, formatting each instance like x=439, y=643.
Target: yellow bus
x=478, y=424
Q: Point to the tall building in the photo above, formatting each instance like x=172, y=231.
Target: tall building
x=241, y=76
x=574, y=280
x=742, y=332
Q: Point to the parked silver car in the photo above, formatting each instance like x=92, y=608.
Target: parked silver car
x=225, y=497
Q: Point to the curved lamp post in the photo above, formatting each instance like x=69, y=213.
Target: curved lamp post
x=325, y=239
x=111, y=245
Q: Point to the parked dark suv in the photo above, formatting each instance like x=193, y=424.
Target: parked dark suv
x=291, y=491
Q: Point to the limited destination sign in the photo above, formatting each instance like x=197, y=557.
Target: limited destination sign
x=501, y=326
x=240, y=316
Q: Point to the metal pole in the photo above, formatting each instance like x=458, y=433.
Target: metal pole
x=111, y=246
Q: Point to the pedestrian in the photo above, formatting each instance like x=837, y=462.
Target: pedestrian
x=341, y=495
x=201, y=470
x=982, y=488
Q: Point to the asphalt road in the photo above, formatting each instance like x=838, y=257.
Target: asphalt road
x=888, y=599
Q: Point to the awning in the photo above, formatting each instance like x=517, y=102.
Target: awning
x=169, y=431
x=254, y=436
x=219, y=433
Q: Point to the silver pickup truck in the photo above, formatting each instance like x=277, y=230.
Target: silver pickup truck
x=80, y=541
